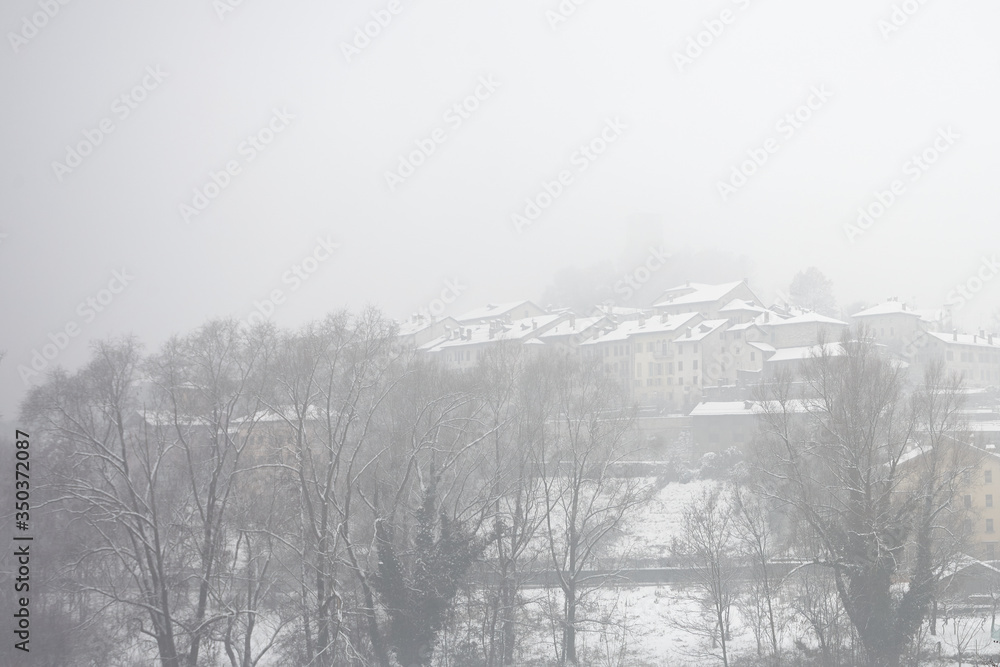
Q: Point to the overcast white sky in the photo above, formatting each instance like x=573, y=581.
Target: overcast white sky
x=323, y=175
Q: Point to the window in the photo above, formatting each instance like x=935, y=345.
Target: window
x=968, y=525
x=967, y=476
x=680, y=349
x=991, y=551
x=680, y=380
x=968, y=502
x=695, y=365
x=989, y=500
x=989, y=525
x=680, y=365
x=753, y=356
x=989, y=476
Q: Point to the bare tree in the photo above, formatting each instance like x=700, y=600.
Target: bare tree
x=710, y=548
x=753, y=526
x=515, y=415
x=585, y=500
x=153, y=474
x=811, y=290
x=872, y=474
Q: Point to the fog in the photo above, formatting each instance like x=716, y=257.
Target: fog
x=165, y=165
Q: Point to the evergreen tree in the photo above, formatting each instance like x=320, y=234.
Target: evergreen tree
x=418, y=594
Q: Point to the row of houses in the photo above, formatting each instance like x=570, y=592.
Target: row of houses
x=701, y=342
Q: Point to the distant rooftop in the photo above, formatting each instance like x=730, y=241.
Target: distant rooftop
x=808, y=318
x=696, y=293
x=494, y=311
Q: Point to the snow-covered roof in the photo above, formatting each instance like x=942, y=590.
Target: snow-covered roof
x=742, y=306
x=763, y=347
x=746, y=408
x=573, y=326
x=700, y=293
x=702, y=330
x=168, y=418
x=722, y=408
x=478, y=334
x=900, y=308
x=493, y=311
x=800, y=353
x=886, y=308
x=964, y=561
x=808, y=318
x=280, y=414
x=416, y=325
x=652, y=325
x=966, y=339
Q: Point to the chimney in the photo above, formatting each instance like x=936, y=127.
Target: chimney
x=982, y=333
x=534, y=325
x=954, y=334
x=747, y=405
x=572, y=321
x=991, y=339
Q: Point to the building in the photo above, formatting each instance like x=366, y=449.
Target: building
x=462, y=348
x=505, y=312
x=976, y=357
x=978, y=492
x=420, y=330
x=707, y=300
x=802, y=330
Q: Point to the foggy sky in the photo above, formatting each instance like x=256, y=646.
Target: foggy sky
x=345, y=121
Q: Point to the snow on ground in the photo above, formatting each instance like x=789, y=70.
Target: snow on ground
x=649, y=530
